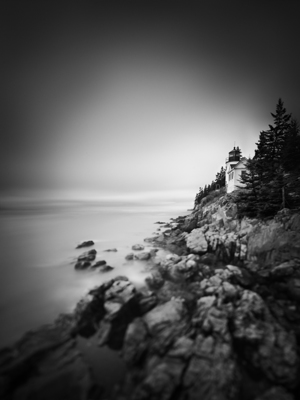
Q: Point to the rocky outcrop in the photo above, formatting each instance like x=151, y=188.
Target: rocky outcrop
x=85, y=259
x=218, y=319
x=275, y=241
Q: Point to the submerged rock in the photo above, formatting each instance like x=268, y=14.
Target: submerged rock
x=99, y=263
x=82, y=265
x=138, y=247
x=112, y=250
x=105, y=268
x=129, y=256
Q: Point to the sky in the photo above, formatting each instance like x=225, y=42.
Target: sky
x=138, y=99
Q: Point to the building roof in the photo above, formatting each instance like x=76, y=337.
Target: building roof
x=240, y=164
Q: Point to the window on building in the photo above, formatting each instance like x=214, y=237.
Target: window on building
x=243, y=174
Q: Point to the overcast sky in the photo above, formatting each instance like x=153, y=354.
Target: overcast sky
x=133, y=98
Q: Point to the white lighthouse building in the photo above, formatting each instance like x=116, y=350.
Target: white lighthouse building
x=235, y=167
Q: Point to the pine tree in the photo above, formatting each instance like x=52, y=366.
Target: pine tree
x=220, y=177
x=291, y=166
x=248, y=196
x=291, y=149
x=272, y=142
x=271, y=181
x=269, y=166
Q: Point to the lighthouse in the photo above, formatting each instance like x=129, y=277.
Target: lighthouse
x=235, y=167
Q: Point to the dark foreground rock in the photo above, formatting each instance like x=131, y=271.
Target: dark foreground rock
x=218, y=319
x=45, y=365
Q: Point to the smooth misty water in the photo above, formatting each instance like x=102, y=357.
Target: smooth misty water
x=37, y=253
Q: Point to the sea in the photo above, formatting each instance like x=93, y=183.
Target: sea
x=38, y=251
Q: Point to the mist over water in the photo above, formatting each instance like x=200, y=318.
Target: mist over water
x=37, y=253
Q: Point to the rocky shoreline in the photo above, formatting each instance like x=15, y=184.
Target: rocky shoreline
x=218, y=318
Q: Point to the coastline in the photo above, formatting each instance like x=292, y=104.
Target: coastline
x=192, y=315
x=38, y=279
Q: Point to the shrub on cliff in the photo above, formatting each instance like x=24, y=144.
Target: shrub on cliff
x=213, y=196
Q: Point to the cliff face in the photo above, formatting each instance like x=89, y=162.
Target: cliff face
x=219, y=318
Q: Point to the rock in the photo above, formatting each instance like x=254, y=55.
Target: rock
x=129, y=256
x=230, y=290
x=212, y=372
x=82, y=265
x=111, y=250
x=150, y=239
x=93, y=251
x=143, y=256
x=173, y=257
x=135, y=341
x=153, y=252
x=120, y=289
x=190, y=223
x=85, y=244
x=284, y=269
x=196, y=241
x=161, y=382
x=168, y=313
x=272, y=244
x=105, y=268
x=182, y=348
x=45, y=364
x=275, y=393
x=138, y=247
x=206, y=301
x=88, y=256
x=146, y=303
x=155, y=281
x=264, y=343
x=294, y=288
x=99, y=263
x=191, y=264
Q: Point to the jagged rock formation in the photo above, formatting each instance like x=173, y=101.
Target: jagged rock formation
x=219, y=319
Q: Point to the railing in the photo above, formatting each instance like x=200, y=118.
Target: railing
x=232, y=158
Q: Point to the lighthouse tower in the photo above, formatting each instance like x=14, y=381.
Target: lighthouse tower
x=233, y=158
x=235, y=165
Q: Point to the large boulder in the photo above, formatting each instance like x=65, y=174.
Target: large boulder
x=196, y=241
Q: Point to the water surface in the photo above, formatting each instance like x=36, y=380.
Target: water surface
x=37, y=254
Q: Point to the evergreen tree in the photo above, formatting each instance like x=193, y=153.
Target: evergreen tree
x=291, y=166
x=220, y=177
x=272, y=178
x=291, y=149
x=248, y=197
x=269, y=165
